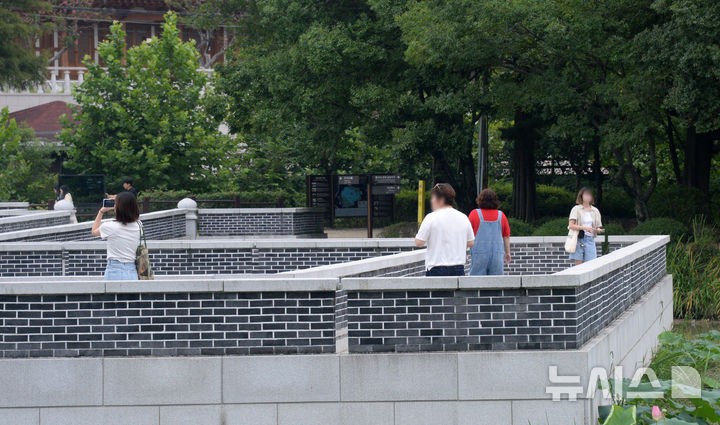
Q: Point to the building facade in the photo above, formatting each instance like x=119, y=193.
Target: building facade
x=90, y=25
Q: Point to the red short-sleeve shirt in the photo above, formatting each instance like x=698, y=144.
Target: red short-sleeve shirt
x=489, y=215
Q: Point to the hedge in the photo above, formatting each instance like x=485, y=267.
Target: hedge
x=662, y=226
x=250, y=198
x=520, y=228
x=554, y=227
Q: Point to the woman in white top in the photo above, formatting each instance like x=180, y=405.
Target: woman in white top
x=122, y=235
x=65, y=194
x=586, y=219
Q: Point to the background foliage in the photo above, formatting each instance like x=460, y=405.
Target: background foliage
x=144, y=114
x=20, y=160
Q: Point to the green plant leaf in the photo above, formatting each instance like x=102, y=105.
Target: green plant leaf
x=622, y=416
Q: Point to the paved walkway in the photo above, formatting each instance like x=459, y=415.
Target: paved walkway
x=350, y=233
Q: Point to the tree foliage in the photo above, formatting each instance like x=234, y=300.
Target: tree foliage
x=20, y=161
x=620, y=93
x=19, y=67
x=144, y=113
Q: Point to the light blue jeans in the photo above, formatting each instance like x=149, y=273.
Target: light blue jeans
x=117, y=270
x=586, y=249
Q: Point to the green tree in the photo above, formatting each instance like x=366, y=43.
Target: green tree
x=145, y=114
x=682, y=53
x=24, y=165
x=19, y=67
x=295, y=77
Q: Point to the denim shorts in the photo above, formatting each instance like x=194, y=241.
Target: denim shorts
x=117, y=270
x=585, y=250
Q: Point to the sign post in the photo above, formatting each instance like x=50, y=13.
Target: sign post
x=421, y=201
x=369, y=211
x=347, y=195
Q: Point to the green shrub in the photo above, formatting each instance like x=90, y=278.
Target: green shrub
x=695, y=267
x=400, y=230
x=520, y=228
x=554, y=227
x=613, y=228
x=504, y=193
x=554, y=201
x=617, y=204
x=696, y=281
x=661, y=226
x=246, y=199
x=678, y=202
x=406, y=205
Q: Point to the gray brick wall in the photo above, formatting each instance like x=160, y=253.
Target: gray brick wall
x=91, y=262
x=180, y=323
x=496, y=319
x=534, y=258
x=31, y=221
x=169, y=227
x=157, y=324
x=603, y=299
x=264, y=222
x=528, y=258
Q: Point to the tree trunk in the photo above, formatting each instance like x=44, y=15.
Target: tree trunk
x=641, y=209
x=597, y=172
x=632, y=181
x=698, y=159
x=670, y=130
x=524, y=168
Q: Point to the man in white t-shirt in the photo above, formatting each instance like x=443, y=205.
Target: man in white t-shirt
x=447, y=233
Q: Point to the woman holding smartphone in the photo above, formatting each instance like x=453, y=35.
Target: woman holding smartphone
x=585, y=218
x=122, y=235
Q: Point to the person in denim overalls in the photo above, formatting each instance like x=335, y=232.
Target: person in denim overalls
x=492, y=236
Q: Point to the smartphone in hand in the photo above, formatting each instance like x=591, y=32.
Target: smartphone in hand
x=108, y=203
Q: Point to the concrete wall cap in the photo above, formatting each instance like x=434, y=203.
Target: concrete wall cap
x=398, y=283
x=360, y=266
x=14, y=204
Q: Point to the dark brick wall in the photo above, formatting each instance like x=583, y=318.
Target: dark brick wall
x=602, y=300
x=495, y=319
x=169, y=227
x=31, y=222
x=261, y=223
x=534, y=258
x=166, y=324
x=527, y=259
x=91, y=262
x=225, y=323
x=31, y=263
